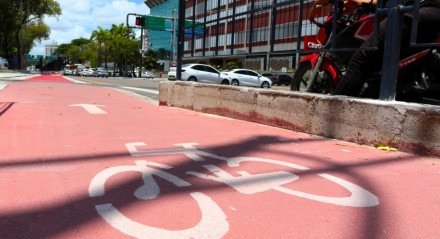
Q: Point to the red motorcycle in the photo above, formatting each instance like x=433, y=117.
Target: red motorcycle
x=419, y=73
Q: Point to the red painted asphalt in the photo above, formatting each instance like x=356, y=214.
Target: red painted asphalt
x=50, y=78
x=66, y=172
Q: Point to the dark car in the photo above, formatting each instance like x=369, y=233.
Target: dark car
x=283, y=79
x=271, y=76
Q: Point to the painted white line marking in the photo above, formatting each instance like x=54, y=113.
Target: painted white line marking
x=92, y=109
x=138, y=96
x=213, y=223
x=76, y=81
x=3, y=85
x=140, y=89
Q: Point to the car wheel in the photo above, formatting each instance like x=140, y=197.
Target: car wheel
x=265, y=85
x=192, y=78
x=234, y=82
x=225, y=82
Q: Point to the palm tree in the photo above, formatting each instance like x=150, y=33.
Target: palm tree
x=101, y=36
x=121, y=31
x=122, y=40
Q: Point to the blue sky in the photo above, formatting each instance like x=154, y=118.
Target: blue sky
x=80, y=17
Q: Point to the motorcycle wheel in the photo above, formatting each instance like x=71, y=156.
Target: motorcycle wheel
x=302, y=77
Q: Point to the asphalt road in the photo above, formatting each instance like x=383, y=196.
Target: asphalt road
x=145, y=87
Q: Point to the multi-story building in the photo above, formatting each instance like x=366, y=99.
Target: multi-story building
x=162, y=8
x=50, y=49
x=261, y=34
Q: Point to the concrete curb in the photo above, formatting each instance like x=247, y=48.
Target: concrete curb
x=406, y=126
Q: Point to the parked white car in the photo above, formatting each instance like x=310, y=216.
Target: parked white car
x=147, y=74
x=245, y=77
x=172, y=73
x=86, y=72
x=67, y=72
x=204, y=74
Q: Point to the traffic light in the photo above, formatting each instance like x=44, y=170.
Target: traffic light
x=140, y=21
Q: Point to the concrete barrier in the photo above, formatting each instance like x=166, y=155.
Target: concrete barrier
x=406, y=126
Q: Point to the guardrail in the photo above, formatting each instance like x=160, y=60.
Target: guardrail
x=392, y=44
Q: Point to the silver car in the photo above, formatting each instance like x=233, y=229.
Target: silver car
x=100, y=72
x=245, y=77
x=67, y=72
x=204, y=74
x=147, y=74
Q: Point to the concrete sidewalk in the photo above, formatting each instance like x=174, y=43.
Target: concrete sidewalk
x=10, y=75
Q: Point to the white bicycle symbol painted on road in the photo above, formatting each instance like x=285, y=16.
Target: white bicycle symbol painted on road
x=213, y=223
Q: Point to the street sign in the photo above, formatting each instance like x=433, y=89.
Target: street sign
x=189, y=24
x=154, y=23
x=197, y=32
x=195, y=28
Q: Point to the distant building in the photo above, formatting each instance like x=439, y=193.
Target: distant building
x=50, y=49
x=162, y=8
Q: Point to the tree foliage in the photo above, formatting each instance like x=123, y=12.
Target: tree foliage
x=233, y=65
x=22, y=25
x=117, y=44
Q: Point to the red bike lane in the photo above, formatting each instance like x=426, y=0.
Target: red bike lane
x=80, y=161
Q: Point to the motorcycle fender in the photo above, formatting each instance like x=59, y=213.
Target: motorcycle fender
x=327, y=65
x=330, y=67
x=311, y=58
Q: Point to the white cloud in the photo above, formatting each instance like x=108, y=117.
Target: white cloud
x=80, y=17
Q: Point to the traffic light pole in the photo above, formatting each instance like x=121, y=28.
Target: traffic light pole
x=141, y=53
x=180, y=39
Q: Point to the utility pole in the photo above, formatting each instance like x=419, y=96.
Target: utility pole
x=173, y=35
x=141, y=53
x=181, y=39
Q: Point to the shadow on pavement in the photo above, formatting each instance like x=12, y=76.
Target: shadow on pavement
x=5, y=106
x=71, y=214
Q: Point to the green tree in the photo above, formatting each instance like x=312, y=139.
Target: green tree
x=78, y=51
x=117, y=44
x=101, y=37
x=233, y=65
x=163, y=54
x=22, y=24
x=62, y=49
x=33, y=33
x=150, y=59
x=124, y=47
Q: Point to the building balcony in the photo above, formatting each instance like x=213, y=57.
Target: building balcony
x=154, y=3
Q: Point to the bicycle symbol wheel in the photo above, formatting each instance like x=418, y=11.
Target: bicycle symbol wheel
x=213, y=223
